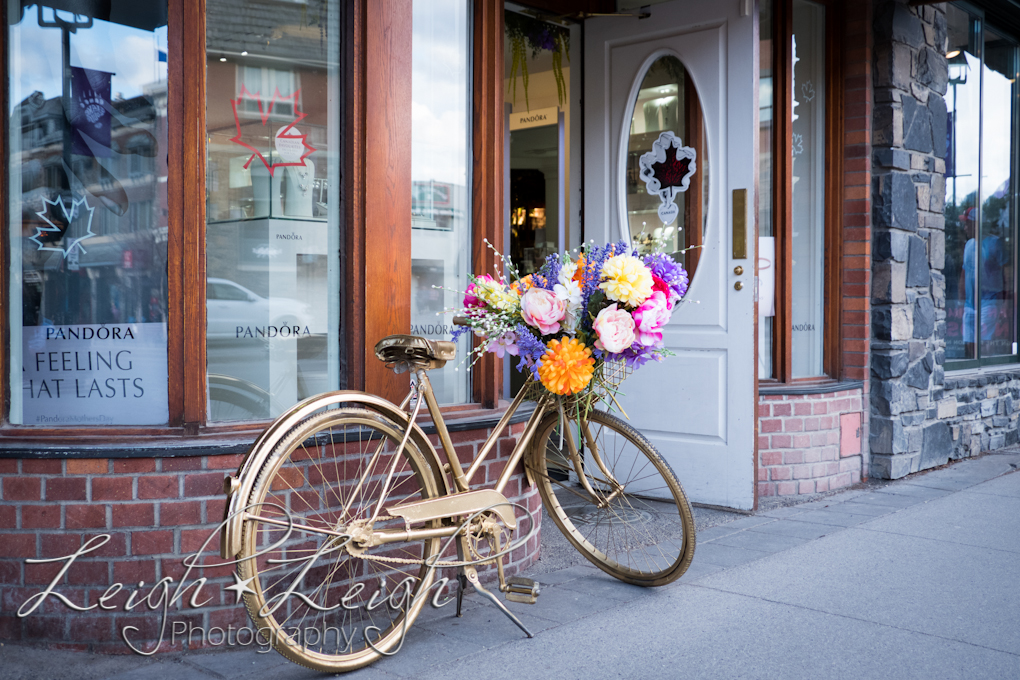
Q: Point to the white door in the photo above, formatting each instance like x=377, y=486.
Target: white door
x=698, y=407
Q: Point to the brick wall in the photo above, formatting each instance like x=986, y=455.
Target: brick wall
x=809, y=443
x=157, y=511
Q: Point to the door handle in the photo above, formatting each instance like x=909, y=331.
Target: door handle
x=740, y=224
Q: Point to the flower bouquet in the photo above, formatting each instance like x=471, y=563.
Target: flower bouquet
x=579, y=325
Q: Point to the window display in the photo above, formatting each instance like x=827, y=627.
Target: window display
x=88, y=213
x=273, y=208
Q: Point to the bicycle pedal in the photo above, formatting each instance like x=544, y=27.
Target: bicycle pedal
x=523, y=590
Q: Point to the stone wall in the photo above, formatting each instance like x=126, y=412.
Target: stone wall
x=908, y=227
x=920, y=417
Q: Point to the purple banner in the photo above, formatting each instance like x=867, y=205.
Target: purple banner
x=90, y=112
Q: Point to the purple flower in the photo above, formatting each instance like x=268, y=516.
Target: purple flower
x=634, y=356
x=504, y=344
x=675, y=276
x=529, y=348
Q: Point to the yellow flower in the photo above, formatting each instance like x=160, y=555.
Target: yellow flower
x=567, y=366
x=628, y=280
x=494, y=294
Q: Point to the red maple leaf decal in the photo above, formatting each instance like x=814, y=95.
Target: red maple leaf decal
x=671, y=172
x=287, y=132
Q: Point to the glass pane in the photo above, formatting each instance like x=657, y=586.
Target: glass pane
x=998, y=243
x=963, y=100
x=766, y=234
x=667, y=102
x=534, y=196
x=808, y=242
x=440, y=177
x=88, y=147
x=273, y=211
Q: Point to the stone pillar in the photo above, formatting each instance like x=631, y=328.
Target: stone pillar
x=908, y=227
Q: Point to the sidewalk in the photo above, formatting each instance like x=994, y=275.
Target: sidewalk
x=918, y=578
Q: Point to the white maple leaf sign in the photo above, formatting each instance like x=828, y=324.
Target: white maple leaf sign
x=77, y=218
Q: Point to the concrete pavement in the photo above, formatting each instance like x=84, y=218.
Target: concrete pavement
x=918, y=578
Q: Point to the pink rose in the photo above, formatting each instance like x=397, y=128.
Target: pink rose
x=663, y=287
x=543, y=310
x=650, y=317
x=470, y=300
x=615, y=328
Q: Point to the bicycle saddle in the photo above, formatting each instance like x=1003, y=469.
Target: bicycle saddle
x=415, y=350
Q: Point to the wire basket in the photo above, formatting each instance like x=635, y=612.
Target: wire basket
x=604, y=389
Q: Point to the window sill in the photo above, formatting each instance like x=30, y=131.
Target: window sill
x=79, y=446
x=827, y=387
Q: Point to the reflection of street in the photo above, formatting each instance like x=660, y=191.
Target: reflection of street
x=244, y=372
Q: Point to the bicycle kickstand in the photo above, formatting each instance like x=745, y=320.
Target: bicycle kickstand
x=472, y=576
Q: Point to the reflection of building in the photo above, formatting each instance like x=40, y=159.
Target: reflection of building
x=120, y=271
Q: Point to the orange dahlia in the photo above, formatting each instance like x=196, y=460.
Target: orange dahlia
x=567, y=366
x=579, y=272
x=521, y=286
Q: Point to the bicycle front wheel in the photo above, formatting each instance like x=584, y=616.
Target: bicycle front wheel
x=626, y=511
x=321, y=600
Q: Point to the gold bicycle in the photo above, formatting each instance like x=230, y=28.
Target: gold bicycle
x=342, y=512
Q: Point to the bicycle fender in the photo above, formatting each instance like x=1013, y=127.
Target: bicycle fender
x=239, y=486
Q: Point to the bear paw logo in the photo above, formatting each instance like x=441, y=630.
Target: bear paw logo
x=93, y=107
x=68, y=223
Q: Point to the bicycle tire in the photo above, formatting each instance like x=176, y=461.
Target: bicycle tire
x=313, y=473
x=645, y=534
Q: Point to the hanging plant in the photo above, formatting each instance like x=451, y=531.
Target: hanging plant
x=524, y=34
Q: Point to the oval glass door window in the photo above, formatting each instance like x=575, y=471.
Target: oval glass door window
x=666, y=194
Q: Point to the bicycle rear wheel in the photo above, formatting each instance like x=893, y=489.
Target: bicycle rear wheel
x=312, y=590
x=629, y=515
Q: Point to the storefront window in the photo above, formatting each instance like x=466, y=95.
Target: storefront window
x=766, y=233
x=440, y=178
x=87, y=180
x=273, y=210
x=980, y=196
x=808, y=147
x=667, y=102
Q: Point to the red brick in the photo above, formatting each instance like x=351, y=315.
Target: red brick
x=781, y=473
x=42, y=628
x=22, y=488
x=811, y=424
x=176, y=514
x=8, y=516
x=89, y=573
x=771, y=457
x=115, y=547
x=66, y=489
x=208, y=484
x=92, y=516
x=765, y=490
x=231, y=462
x=132, y=571
x=17, y=545
x=133, y=465
x=181, y=464
x=90, y=466
x=812, y=456
x=112, y=488
x=774, y=425
x=152, y=542
x=58, y=545
x=802, y=408
x=793, y=425
x=806, y=486
x=192, y=540
x=134, y=515
x=8, y=466
x=782, y=441
x=10, y=573
x=92, y=627
x=793, y=457
x=164, y=486
x=42, y=467
x=783, y=409
x=764, y=410
x=786, y=488
x=39, y=517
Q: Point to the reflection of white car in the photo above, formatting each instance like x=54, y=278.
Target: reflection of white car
x=236, y=312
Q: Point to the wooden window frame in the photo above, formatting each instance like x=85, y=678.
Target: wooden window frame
x=376, y=193
x=782, y=197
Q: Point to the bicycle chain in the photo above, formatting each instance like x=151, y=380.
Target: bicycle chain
x=407, y=560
